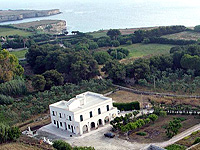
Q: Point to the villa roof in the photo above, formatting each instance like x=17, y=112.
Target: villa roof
x=81, y=101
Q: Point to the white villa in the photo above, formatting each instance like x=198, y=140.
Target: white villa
x=85, y=112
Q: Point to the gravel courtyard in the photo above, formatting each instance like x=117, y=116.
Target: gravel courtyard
x=94, y=138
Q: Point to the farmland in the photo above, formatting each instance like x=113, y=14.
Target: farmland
x=19, y=54
x=186, y=35
x=145, y=50
x=10, y=31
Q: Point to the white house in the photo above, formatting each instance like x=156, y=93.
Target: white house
x=85, y=112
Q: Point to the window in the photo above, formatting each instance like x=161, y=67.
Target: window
x=54, y=122
x=53, y=113
x=61, y=124
x=60, y=115
x=70, y=118
x=81, y=117
x=107, y=107
x=68, y=126
x=91, y=114
x=99, y=111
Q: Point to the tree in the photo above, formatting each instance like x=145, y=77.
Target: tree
x=113, y=33
x=101, y=57
x=173, y=127
x=38, y=82
x=9, y=66
x=115, y=70
x=61, y=145
x=197, y=28
x=53, y=78
x=153, y=117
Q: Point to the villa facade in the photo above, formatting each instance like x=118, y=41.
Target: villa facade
x=85, y=112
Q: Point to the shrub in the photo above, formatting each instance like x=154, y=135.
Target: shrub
x=141, y=133
x=61, y=145
x=8, y=133
x=197, y=140
x=175, y=147
x=13, y=87
x=7, y=100
x=127, y=106
x=115, y=43
x=181, y=118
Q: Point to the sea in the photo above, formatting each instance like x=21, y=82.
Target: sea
x=94, y=15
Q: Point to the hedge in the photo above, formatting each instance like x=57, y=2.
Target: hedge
x=127, y=106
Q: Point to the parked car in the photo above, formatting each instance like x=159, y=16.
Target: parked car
x=109, y=134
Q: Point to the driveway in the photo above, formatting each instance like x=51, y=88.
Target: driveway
x=94, y=138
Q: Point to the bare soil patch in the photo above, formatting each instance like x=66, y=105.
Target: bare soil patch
x=122, y=96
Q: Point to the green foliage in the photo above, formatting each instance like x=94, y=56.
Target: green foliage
x=101, y=57
x=7, y=100
x=141, y=133
x=13, y=87
x=127, y=106
x=39, y=82
x=53, y=78
x=173, y=127
x=9, y=66
x=61, y=145
x=115, y=70
x=8, y=134
x=181, y=118
x=39, y=103
x=175, y=147
x=197, y=140
x=197, y=28
x=113, y=33
x=119, y=53
x=153, y=117
x=115, y=43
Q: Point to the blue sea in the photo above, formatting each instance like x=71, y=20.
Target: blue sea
x=93, y=15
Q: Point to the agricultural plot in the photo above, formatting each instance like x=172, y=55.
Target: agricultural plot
x=187, y=35
x=145, y=50
x=20, y=54
x=10, y=31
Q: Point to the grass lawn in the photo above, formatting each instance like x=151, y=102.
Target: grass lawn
x=186, y=35
x=9, y=31
x=156, y=132
x=20, y=54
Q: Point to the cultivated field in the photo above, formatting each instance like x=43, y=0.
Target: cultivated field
x=145, y=50
x=187, y=35
x=20, y=54
x=9, y=31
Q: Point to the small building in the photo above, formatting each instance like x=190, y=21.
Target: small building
x=85, y=112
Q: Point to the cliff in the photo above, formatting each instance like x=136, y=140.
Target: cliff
x=13, y=15
x=49, y=26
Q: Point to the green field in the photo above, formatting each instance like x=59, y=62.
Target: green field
x=20, y=54
x=10, y=31
x=142, y=50
x=97, y=34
